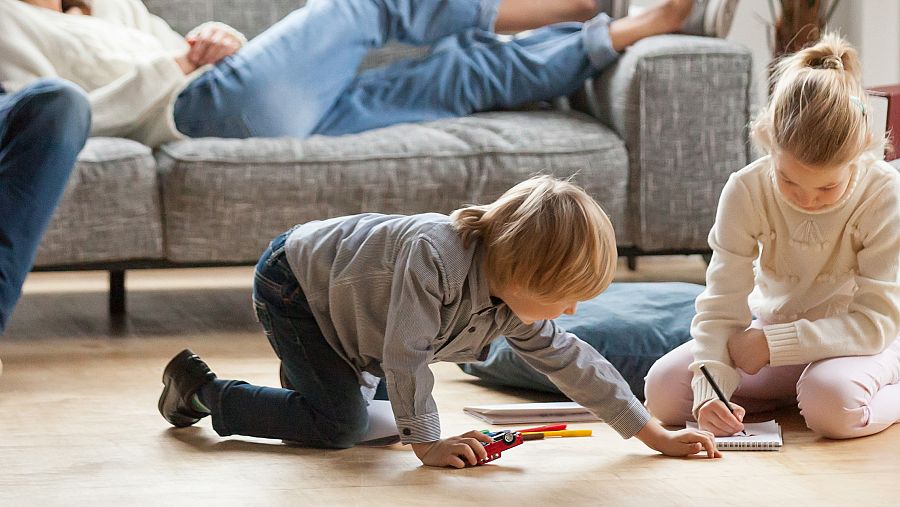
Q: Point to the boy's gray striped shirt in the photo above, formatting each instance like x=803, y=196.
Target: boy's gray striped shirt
x=393, y=294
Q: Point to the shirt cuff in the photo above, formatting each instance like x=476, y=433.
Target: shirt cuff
x=419, y=429
x=784, y=344
x=704, y=392
x=630, y=420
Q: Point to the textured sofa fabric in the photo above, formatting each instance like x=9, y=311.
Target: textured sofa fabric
x=653, y=141
x=631, y=324
x=682, y=106
x=110, y=210
x=225, y=199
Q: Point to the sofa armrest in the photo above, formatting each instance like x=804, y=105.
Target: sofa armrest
x=682, y=105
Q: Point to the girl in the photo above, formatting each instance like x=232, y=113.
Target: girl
x=352, y=300
x=807, y=243
x=299, y=77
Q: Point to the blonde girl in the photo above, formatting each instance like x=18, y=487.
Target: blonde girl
x=802, y=303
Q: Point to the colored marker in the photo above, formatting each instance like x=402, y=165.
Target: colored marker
x=562, y=433
x=549, y=427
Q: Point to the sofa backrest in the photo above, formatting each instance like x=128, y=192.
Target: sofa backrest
x=251, y=17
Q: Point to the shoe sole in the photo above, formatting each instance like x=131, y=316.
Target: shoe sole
x=174, y=418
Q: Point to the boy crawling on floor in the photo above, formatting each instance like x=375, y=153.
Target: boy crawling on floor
x=376, y=298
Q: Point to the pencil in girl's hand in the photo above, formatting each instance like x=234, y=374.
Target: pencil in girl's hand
x=718, y=391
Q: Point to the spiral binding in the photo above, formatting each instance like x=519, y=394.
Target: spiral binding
x=763, y=446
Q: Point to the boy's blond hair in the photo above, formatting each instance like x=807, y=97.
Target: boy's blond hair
x=546, y=237
x=817, y=110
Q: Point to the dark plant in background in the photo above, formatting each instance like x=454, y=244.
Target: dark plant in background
x=796, y=23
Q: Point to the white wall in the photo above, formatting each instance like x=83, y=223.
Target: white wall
x=873, y=26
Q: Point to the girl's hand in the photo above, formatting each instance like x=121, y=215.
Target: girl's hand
x=466, y=449
x=210, y=44
x=715, y=417
x=678, y=443
x=749, y=350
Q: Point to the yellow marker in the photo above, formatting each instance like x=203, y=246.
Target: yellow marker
x=563, y=433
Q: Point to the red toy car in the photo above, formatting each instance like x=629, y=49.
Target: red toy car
x=501, y=443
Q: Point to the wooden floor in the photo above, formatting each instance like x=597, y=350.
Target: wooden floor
x=78, y=423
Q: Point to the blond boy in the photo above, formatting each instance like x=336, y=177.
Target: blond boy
x=374, y=299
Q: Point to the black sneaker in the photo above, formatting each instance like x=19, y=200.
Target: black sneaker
x=184, y=375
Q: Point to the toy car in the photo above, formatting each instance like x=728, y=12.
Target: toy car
x=501, y=443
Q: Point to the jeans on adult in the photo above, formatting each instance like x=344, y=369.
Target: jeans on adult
x=42, y=128
x=327, y=409
x=299, y=77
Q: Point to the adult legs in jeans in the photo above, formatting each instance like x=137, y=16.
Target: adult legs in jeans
x=42, y=129
x=477, y=70
x=669, y=397
x=474, y=71
x=327, y=408
x=284, y=80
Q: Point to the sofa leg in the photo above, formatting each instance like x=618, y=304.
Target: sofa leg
x=117, y=292
x=632, y=262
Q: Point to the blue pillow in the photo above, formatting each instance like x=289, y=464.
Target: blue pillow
x=631, y=325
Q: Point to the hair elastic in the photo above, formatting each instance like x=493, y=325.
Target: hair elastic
x=856, y=101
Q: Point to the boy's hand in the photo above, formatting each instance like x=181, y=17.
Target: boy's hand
x=749, y=350
x=715, y=417
x=678, y=443
x=466, y=449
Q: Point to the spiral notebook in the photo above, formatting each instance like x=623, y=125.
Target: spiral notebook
x=764, y=436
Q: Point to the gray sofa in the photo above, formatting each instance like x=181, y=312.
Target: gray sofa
x=652, y=138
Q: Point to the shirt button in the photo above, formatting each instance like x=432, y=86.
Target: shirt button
x=407, y=431
x=472, y=329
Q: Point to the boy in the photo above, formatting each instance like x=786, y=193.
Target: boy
x=351, y=300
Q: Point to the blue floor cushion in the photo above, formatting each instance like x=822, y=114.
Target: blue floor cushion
x=631, y=324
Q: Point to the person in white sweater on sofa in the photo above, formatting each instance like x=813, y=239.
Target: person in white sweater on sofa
x=299, y=78
x=802, y=303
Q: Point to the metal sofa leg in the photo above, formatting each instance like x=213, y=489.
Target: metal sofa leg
x=117, y=292
x=632, y=262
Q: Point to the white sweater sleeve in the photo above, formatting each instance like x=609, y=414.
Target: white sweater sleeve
x=126, y=102
x=134, y=14
x=722, y=308
x=873, y=320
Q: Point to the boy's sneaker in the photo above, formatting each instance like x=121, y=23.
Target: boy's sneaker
x=711, y=18
x=185, y=374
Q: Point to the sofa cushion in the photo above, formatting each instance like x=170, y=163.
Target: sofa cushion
x=226, y=198
x=631, y=324
x=110, y=210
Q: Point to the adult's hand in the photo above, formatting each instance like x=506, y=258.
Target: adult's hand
x=186, y=66
x=210, y=44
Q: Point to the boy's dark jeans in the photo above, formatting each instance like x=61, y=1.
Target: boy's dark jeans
x=327, y=409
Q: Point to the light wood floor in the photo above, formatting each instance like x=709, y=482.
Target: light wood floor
x=78, y=423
